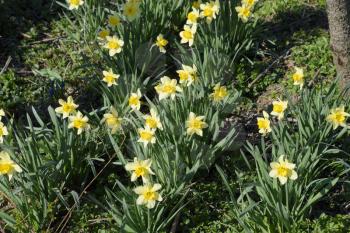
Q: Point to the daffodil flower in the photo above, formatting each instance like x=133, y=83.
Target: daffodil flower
x=244, y=12
x=140, y=168
x=134, y=100
x=66, y=108
x=112, y=120
x=153, y=120
x=337, y=117
x=7, y=165
x=3, y=132
x=113, y=21
x=161, y=43
x=167, y=88
x=219, y=93
x=79, y=122
x=188, y=74
x=283, y=170
x=103, y=34
x=146, y=135
x=110, y=78
x=148, y=195
x=192, y=17
x=278, y=108
x=74, y=4
x=114, y=45
x=131, y=10
x=264, y=124
x=195, y=124
x=210, y=10
x=298, y=77
x=187, y=35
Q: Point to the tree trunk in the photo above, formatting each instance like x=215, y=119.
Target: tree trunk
x=339, y=28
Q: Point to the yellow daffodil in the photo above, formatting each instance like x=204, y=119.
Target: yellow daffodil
x=192, y=17
x=167, y=88
x=196, y=4
x=134, y=100
x=146, y=135
x=74, y=4
x=264, y=124
x=113, y=21
x=66, y=108
x=131, y=10
x=337, y=117
x=195, y=124
x=219, y=93
x=110, y=78
x=7, y=165
x=298, y=77
x=187, y=35
x=161, y=43
x=283, y=170
x=112, y=120
x=243, y=12
x=103, y=34
x=278, y=108
x=2, y=113
x=140, y=168
x=188, y=74
x=79, y=122
x=148, y=195
x=114, y=45
x=153, y=120
x=210, y=10
x=249, y=3
x=3, y=132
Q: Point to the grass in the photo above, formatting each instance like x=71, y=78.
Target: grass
x=44, y=65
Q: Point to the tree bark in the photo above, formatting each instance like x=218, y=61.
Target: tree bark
x=339, y=27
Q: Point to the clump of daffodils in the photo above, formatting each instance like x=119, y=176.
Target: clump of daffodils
x=110, y=78
x=298, y=77
x=74, y=4
x=7, y=165
x=337, y=117
x=245, y=10
x=112, y=120
x=167, y=88
x=114, y=45
x=161, y=43
x=264, y=124
x=283, y=170
x=195, y=124
x=187, y=74
x=278, y=108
